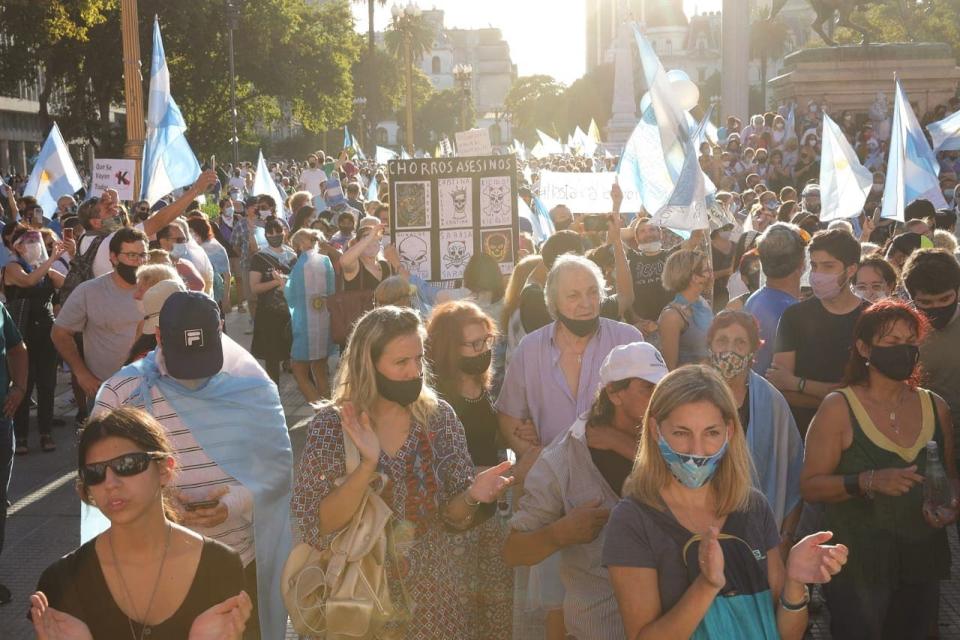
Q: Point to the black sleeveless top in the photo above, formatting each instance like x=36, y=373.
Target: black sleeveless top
x=31, y=306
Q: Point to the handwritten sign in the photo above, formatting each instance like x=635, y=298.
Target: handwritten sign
x=584, y=192
x=475, y=142
x=113, y=174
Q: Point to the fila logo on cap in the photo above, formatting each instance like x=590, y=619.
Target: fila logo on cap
x=193, y=338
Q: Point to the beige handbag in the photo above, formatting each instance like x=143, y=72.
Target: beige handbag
x=342, y=592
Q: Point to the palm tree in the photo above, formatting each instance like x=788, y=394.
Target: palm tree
x=768, y=41
x=408, y=39
x=371, y=8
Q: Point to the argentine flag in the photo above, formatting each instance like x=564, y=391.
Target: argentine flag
x=946, y=133
x=306, y=290
x=54, y=175
x=385, y=155
x=263, y=184
x=168, y=160
x=912, y=168
x=844, y=182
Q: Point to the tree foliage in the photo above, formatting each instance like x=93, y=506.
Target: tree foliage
x=909, y=21
x=440, y=116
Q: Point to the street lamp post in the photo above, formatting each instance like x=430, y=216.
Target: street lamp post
x=359, y=105
x=233, y=17
x=402, y=19
x=133, y=89
x=463, y=75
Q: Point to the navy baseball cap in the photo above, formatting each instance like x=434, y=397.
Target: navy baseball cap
x=190, y=336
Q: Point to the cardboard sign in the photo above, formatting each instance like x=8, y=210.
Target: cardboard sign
x=585, y=192
x=113, y=174
x=475, y=142
x=445, y=210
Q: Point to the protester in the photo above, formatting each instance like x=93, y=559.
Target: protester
x=459, y=348
x=569, y=490
x=104, y=312
x=510, y=320
x=383, y=402
x=814, y=336
x=30, y=284
x=173, y=239
x=219, y=259
x=310, y=283
x=234, y=489
x=269, y=272
x=684, y=321
x=13, y=386
x=690, y=528
x=173, y=582
x=245, y=245
x=361, y=265
x=771, y=434
x=866, y=456
x=876, y=279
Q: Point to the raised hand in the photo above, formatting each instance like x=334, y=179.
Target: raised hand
x=362, y=434
x=490, y=483
x=224, y=621
x=812, y=562
x=711, y=559
x=51, y=624
x=582, y=524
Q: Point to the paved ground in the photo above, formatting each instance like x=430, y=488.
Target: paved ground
x=44, y=519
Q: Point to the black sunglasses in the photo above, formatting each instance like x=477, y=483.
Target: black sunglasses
x=127, y=465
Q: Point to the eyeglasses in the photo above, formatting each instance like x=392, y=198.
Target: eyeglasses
x=133, y=255
x=481, y=344
x=127, y=465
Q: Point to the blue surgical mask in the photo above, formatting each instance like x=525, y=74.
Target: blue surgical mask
x=179, y=250
x=693, y=471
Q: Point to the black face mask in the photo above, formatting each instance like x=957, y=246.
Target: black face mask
x=475, y=365
x=581, y=328
x=127, y=272
x=403, y=392
x=896, y=362
x=940, y=317
x=813, y=208
x=274, y=241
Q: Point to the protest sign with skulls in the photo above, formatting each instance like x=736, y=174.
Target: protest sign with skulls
x=456, y=249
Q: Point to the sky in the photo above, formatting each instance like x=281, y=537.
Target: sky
x=556, y=49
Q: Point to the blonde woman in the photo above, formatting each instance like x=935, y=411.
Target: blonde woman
x=690, y=528
x=383, y=401
x=684, y=322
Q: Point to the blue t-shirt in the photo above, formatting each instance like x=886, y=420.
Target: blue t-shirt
x=9, y=338
x=767, y=305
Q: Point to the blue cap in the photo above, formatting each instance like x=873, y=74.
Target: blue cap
x=190, y=336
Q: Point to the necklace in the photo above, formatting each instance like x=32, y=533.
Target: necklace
x=892, y=416
x=144, y=630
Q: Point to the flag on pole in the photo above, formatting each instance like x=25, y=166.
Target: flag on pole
x=538, y=151
x=404, y=155
x=54, y=174
x=912, y=168
x=263, y=184
x=844, y=182
x=385, y=155
x=550, y=145
x=539, y=218
x=791, y=125
x=347, y=140
x=168, y=161
x=373, y=189
x=946, y=133
x=594, y=131
x=520, y=150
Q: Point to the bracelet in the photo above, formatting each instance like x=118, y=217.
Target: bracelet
x=851, y=484
x=466, y=498
x=868, y=491
x=801, y=385
x=787, y=606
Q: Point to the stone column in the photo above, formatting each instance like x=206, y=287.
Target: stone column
x=624, y=116
x=21, y=158
x=735, y=69
x=4, y=156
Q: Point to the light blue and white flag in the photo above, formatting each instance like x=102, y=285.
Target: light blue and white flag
x=263, y=184
x=373, y=189
x=550, y=145
x=790, y=126
x=660, y=158
x=385, y=155
x=912, y=168
x=404, y=155
x=54, y=174
x=844, y=182
x=946, y=133
x=539, y=218
x=520, y=150
x=168, y=161
x=347, y=139
x=310, y=282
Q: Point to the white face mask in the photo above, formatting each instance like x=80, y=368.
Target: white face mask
x=650, y=247
x=228, y=213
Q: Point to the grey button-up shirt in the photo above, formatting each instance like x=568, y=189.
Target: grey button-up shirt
x=563, y=478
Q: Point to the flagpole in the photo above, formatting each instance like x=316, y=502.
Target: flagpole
x=133, y=87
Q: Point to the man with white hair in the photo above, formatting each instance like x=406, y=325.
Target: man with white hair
x=552, y=379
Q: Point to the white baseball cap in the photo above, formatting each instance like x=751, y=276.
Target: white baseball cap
x=634, y=360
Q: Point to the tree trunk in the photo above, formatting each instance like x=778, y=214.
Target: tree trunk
x=370, y=33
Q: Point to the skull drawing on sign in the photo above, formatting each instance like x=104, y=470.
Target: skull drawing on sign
x=496, y=246
x=459, y=197
x=413, y=253
x=495, y=195
x=457, y=255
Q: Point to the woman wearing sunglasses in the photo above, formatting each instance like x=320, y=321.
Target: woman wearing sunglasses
x=145, y=577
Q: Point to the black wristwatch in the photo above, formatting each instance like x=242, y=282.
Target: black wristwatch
x=851, y=484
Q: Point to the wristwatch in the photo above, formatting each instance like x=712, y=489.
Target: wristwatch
x=799, y=606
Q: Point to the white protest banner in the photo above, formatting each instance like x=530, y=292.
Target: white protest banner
x=584, y=192
x=114, y=174
x=475, y=142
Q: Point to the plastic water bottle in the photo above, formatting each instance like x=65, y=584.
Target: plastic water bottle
x=937, y=490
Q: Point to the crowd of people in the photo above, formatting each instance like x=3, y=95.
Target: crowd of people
x=634, y=434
